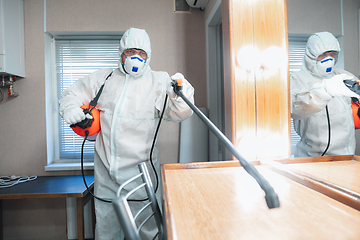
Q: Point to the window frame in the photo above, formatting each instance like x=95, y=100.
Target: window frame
x=54, y=162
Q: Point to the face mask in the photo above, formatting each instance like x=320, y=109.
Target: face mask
x=133, y=65
x=325, y=66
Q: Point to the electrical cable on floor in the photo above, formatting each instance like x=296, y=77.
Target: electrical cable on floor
x=9, y=181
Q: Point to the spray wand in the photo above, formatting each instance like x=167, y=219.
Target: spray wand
x=272, y=199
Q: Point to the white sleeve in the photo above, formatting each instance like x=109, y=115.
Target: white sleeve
x=82, y=91
x=307, y=99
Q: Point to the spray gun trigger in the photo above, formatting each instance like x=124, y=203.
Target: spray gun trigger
x=177, y=85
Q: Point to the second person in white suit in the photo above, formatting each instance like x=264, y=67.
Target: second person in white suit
x=321, y=100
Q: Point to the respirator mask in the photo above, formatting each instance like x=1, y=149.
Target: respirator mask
x=325, y=66
x=134, y=65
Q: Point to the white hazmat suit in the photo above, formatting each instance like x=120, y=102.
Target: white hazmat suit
x=130, y=107
x=317, y=85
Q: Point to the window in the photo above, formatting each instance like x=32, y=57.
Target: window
x=296, y=55
x=73, y=59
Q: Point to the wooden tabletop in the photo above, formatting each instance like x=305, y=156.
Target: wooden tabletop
x=224, y=202
x=335, y=176
x=49, y=187
x=342, y=173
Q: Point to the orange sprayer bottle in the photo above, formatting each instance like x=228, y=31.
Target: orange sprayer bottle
x=87, y=126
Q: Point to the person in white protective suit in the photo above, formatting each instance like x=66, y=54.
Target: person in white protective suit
x=130, y=105
x=317, y=89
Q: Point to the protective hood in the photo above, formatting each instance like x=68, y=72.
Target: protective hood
x=317, y=44
x=136, y=38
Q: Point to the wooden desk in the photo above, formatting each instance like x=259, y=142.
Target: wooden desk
x=337, y=176
x=52, y=187
x=221, y=201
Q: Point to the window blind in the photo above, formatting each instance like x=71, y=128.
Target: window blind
x=75, y=59
x=296, y=55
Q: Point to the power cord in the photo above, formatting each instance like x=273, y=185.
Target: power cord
x=9, y=181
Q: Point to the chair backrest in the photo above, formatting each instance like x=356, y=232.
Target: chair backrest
x=127, y=217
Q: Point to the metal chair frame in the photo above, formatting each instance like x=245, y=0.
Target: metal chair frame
x=123, y=210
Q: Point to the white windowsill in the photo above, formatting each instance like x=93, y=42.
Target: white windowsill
x=68, y=166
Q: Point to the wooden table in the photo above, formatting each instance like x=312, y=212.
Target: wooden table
x=335, y=176
x=52, y=187
x=221, y=201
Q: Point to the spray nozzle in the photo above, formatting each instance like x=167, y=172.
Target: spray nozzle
x=177, y=85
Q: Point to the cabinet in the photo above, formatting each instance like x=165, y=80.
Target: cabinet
x=12, y=55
